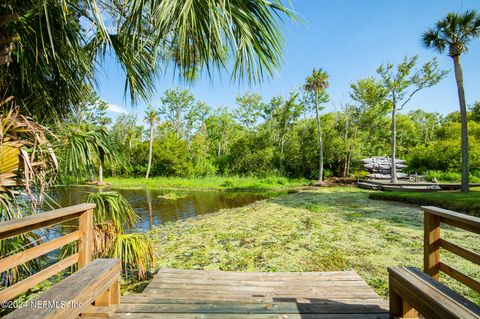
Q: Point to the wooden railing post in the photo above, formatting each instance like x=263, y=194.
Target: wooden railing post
x=431, y=257
x=85, y=243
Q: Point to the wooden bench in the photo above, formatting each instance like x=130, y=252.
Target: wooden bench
x=410, y=288
x=413, y=291
x=94, y=290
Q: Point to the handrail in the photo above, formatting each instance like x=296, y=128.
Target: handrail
x=22, y=225
x=84, y=236
x=433, y=217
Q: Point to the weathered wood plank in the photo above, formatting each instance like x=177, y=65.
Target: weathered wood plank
x=22, y=286
x=22, y=225
x=254, y=289
x=37, y=251
x=85, y=244
x=464, y=279
x=76, y=292
x=460, y=251
x=245, y=308
x=428, y=296
x=259, y=284
x=464, y=221
x=431, y=244
x=242, y=280
x=244, y=316
x=98, y=312
x=203, y=293
x=153, y=298
x=255, y=274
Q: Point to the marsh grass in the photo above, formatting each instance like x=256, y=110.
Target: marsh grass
x=174, y=195
x=210, y=183
x=319, y=230
x=454, y=200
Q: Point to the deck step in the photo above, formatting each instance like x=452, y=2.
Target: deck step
x=243, y=316
x=189, y=294
x=245, y=308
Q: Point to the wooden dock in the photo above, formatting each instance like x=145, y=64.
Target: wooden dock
x=187, y=294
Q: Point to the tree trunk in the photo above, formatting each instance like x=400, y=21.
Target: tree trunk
x=100, y=167
x=345, y=166
x=394, y=144
x=463, y=119
x=150, y=211
x=150, y=150
x=320, y=142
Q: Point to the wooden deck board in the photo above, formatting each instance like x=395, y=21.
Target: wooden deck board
x=192, y=294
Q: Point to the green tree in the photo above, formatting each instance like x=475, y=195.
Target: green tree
x=284, y=115
x=125, y=131
x=222, y=132
x=317, y=83
x=369, y=114
x=401, y=83
x=151, y=116
x=428, y=124
x=454, y=33
x=175, y=106
x=249, y=109
x=475, y=111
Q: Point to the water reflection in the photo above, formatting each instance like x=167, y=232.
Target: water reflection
x=154, y=210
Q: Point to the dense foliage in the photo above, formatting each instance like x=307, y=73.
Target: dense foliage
x=279, y=137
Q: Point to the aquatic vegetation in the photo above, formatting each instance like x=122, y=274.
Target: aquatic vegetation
x=327, y=229
x=454, y=200
x=173, y=195
x=210, y=183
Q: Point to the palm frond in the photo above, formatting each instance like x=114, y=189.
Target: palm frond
x=454, y=32
x=136, y=252
x=112, y=207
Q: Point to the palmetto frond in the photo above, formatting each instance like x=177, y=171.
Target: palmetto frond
x=454, y=32
x=27, y=166
x=54, y=47
x=27, y=162
x=112, y=207
x=136, y=252
x=151, y=115
x=317, y=81
x=112, y=215
x=432, y=39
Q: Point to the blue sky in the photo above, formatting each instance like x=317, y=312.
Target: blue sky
x=347, y=38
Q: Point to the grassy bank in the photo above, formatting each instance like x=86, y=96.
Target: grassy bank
x=210, y=183
x=321, y=230
x=453, y=200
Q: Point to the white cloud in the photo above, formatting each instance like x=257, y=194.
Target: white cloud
x=116, y=108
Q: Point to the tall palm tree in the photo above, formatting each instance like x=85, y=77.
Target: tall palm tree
x=317, y=83
x=151, y=116
x=454, y=33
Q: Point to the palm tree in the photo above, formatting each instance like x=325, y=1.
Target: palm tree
x=317, y=83
x=454, y=33
x=105, y=149
x=151, y=116
x=81, y=148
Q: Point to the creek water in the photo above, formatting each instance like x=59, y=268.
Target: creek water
x=153, y=209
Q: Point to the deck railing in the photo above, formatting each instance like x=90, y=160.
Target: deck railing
x=84, y=236
x=433, y=244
